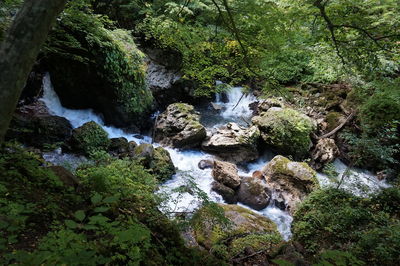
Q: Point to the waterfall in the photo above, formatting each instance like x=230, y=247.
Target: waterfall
x=237, y=105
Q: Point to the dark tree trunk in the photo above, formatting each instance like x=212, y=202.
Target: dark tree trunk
x=19, y=50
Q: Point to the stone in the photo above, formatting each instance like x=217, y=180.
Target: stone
x=226, y=173
x=118, y=147
x=161, y=165
x=324, y=152
x=179, y=127
x=228, y=194
x=89, y=137
x=144, y=153
x=266, y=104
x=243, y=222
x=292, y=181
x=234, y=143
x=254, y=193
x=205, y=164
x=38, y=129
x=285, y=130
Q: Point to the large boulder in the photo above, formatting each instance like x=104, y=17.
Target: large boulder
x=88, y=138
x=243, y=230
x=286, y=130
x=292, y=181
x=156, y=160
x=226, y=173
x=228, y=194
x=93, y=67
x=234, y=143
x=179, y=126
x=324, y=152
x=254, y=192
x=39, y=129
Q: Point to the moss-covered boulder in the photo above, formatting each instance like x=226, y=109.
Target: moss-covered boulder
x=156, y=160
x=179, y=126
x=292, y=181
x=234, y=143
x=162, y=166
x=238, y=229
x=88, y=138
x=286, y=130
x=93, y=67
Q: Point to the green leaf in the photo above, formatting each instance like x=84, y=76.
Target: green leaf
x=71, y=224
x=80, y=215
x=110, y=199
x=101, y=209
x=96, y=198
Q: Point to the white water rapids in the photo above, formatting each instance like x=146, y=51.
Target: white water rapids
x=187, y=161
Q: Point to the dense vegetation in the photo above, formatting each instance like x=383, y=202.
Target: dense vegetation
x=106, y=211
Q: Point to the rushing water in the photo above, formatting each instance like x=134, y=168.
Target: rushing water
x=235, y=109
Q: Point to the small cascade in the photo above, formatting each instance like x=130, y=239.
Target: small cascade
x=237, y=106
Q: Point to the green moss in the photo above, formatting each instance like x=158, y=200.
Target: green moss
x=90, y=137
x=287, y=130
x=333, y=120
x=240, y=229
x=162, y=165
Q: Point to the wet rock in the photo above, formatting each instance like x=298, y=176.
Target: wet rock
x=118, y=147
x=254, y=193
x=286, y=130
x=245, y=224
x=292, y=181
x=145, y=153
x=228, y=194
x=40, y=131
x=324, y=152
x=179, y=127
x=65, y=176
x=205, y=164
x=234, y=143
x=161, y=165
x=216, y=106
x=226, y=173
x=88, y=138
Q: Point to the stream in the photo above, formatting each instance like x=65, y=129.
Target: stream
x=360, y=182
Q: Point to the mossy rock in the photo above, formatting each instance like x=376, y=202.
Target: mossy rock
x=88, y=138
x=162, y=166
x=238, y=229
x=286, y=130
x=93, y=67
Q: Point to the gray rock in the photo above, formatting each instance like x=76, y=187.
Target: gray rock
x=254, y=192
x=226, y=173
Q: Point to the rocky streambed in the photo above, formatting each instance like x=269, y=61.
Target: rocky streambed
x=234, y=154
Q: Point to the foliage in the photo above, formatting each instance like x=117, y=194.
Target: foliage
x=8, y=9
x=334, y=219
x=110, y=219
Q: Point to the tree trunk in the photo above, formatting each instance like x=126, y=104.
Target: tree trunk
x=19, y=50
